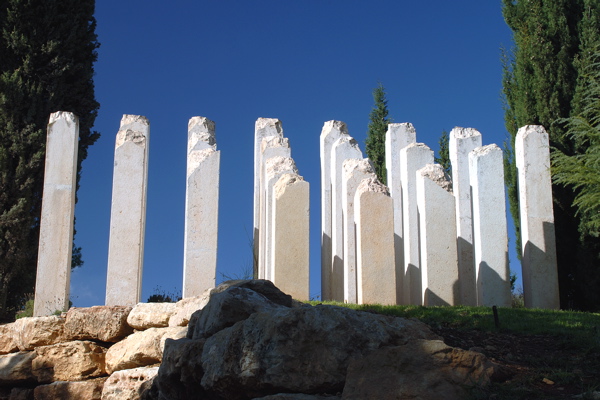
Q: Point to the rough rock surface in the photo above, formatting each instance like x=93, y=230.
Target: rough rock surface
x=151, y=315
x=104, y=323
x=184, y=309
x=15, y=368
x=128, y=384
x=8, y=343
x=84, y=390
x=139, y=349
x=424, y=369
x=70, y=361
x=32, y=332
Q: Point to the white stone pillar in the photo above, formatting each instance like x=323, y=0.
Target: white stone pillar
x=58, y=210
x=271, y=146
x=291, y=236
x=437, y=230
x=344, y=148
x=275, y=168
x=354, y=171
x=540, y=276
x=461, y=142
x=412, y=158
x=397, y=137
x=332, y=130
x=490, y=235
x=201, y=208
x=128, y=212
x=376, y=271
x=263, y=127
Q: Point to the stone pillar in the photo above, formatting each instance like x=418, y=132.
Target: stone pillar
x=128, y=212
x=397, y=137
x=412, y=158
x=263, y=127
x=201, y=208
x=354, y=171
x=374, y=243
x=462, y=141
x=332, y=130
x=540, y=276
x=344, y=148
x=490, y=235
x=275, y=168
x=291, y=236
x=58, y=210
x=437, y=231
x=271, y=146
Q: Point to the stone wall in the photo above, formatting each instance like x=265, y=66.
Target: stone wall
x=102, y=352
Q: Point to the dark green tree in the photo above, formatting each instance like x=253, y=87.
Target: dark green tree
x=47, y=52
x=443, y=157
x=378, y=125
x=542, y=85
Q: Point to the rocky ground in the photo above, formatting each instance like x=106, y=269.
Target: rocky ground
x=534, y=366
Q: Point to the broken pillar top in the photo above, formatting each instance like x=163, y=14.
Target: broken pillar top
x=66, y=116
x=201, y=134
x=363, y=165
x=482, y=151
x=268, y=127
x=274, y=141
x=334, y=128
x=278, y=165
x=459, y=132
x=134, y=128
x=285, y=181
x=372, y=184
x=436, y=174
x=407, y=127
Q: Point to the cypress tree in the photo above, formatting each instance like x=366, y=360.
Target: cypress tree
x=540, y=85
x=47, y=51
x=443, y=157
x=375, y=142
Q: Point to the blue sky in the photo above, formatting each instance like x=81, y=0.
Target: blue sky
x=304, y=62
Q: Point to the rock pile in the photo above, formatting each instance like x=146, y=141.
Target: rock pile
x=250, y=341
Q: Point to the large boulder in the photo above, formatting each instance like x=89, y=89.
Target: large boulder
x=301, y=350
x=70, y=361
x=140, y=349
x=84, y=390
x=32, y=332
x=151, y=315
x=225, y=309
x=15, y=369
x=128, y=384
x=262, y=286
x=420, y=369
x=104, y=323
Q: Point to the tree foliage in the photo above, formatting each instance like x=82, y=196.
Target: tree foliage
x=47, y=51
x=378, y=125
x=443, y=157
x=542, y=85
x=581, y=171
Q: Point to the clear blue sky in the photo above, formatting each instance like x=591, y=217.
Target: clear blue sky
x=304, y=62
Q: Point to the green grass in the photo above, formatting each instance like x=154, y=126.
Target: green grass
x=578, y=328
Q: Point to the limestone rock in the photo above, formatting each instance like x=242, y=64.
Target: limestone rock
x=423, y=369
x=85, y=390
x=128, y=384
x=180, y=373
x=150, y=315
x=21, y=394
x=8, y=344
x=225, y=309
x=184, y=308
x=15, y=368
x=32, y=332
x=301, y=350
x=70, y=361
x=262, y=286
x=139, y=349
x=104, y=323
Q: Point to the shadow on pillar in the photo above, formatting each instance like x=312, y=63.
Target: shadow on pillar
x=466, y=273
x=399, y=260
x=326, y=269
x=493, y=290
x=413, y=279
x=255, y=243
x=540, y=280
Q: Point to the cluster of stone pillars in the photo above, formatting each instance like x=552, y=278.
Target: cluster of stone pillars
x=446, y=238
x=422, y=239
x=128, y=212
x=281, y=212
